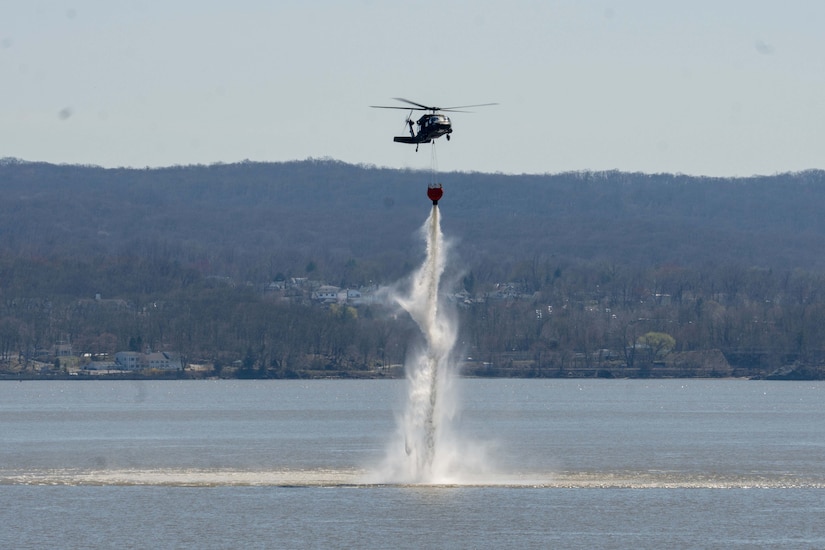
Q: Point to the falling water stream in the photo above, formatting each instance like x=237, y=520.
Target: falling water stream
x=425, y=449
x=427, y=371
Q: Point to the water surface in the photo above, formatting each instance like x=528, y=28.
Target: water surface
x=264, y=464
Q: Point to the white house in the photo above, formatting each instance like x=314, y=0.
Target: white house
x=133, y=360
x=129, y=360
x=326, y=293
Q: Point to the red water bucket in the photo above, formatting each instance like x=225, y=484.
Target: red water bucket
x=434, y=192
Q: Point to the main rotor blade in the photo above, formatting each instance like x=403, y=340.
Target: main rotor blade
x=420, y=106
x=466, y=106
x=405, y=108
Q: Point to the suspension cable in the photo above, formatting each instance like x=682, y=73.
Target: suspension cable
x=433, y=165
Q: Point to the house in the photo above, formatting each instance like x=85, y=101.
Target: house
x=275, y=286
x=133, y=360
x=326, y=293
x=129, y=360
x=101, y=366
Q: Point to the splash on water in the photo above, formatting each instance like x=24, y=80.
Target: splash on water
x=352, y=477
x=425, y=449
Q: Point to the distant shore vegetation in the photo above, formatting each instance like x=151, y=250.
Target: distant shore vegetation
x=258, y=270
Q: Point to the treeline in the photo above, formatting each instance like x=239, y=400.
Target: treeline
x=594, y=317
x=581, y=319
x=552, y=275
x=212, y=320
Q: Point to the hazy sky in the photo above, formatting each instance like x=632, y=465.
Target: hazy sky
x=720, y=88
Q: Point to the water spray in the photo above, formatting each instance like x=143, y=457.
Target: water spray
x=428, y=370
x=426, y=450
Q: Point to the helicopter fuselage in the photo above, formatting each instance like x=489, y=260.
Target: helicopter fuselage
x=430, y=126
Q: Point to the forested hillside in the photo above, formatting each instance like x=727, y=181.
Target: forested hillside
x=555, y=274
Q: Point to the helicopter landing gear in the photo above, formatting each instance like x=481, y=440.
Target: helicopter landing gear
x=448, y=137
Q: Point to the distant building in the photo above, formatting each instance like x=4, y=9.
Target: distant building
x=275, y=286
x=133, y=360
x=326, y=293
x=128, y=360
x=102, y=366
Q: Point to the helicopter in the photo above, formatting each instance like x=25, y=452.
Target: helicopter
x=432, y=125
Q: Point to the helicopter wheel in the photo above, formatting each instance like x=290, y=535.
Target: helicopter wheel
x=448, y=137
